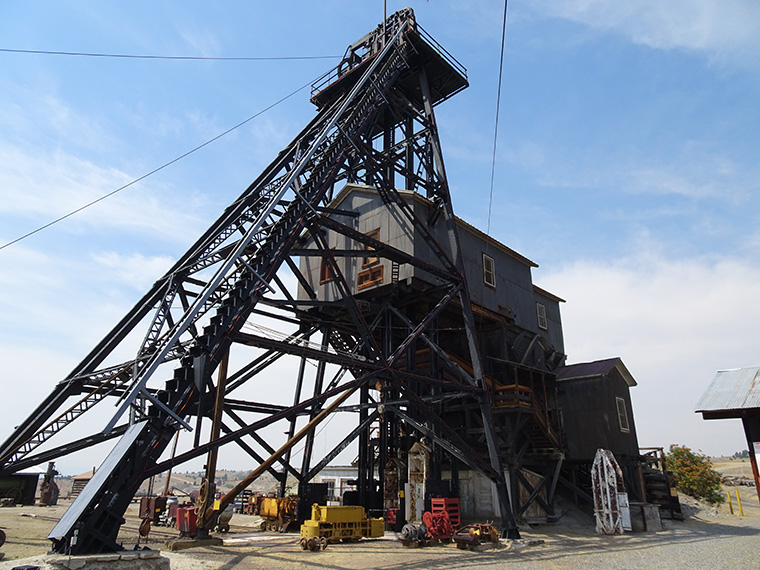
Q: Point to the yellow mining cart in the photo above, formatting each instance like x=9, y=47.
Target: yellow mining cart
x=277, y=513
x=333, y=524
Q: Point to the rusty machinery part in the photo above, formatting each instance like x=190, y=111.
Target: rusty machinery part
x=438, y=525
x=413, y=532
x=223, y=519
x=314, y=543
x=203, y=501
x=278, y=512
x=14, y=493
x=203, y=492
x=144, y=529
x=466, y=541
x=474, y=534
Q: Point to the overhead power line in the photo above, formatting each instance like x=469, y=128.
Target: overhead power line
x=496, y=122
x=179, y=57
x=155, y=170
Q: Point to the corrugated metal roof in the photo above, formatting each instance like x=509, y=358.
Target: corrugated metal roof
x=737, y=389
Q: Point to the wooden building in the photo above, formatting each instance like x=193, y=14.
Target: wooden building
x=80, y=482
x=519, y=329
x=597, y=413
x=548, y=416
x=499, y=279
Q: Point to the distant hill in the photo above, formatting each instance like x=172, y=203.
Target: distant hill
x=189, y=481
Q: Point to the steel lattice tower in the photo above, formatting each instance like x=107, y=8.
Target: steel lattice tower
x=375, y=128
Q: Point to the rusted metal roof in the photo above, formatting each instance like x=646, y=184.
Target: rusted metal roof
x=595, y=369
x=737, y=389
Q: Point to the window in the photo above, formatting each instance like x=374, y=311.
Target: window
x=325, y=273
x=622, y=415
x=331, y=489
x=369, y=277
x=489, y=271
x=541, y=311
x=371, y=260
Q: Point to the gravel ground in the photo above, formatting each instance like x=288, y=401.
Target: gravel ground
x=698, y=543
x=709, y=538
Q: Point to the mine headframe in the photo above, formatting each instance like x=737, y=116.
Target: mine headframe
x=235, y=288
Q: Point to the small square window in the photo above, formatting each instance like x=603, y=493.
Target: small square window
x=489, y=271
x=622, y=415
x=541, y=312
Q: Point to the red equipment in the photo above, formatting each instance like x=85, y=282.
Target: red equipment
x=438, y=525
x=187, y=521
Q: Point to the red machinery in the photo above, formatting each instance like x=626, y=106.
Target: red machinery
x=187, y=521
x=438, y=525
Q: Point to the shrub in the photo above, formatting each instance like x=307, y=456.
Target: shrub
x=694, y=474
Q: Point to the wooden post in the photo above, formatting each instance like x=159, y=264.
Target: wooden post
x=752, y=431
x=206, y=518
x=739, y=502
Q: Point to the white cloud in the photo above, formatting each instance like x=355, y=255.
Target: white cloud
x=40, y=186
x=53, y=311
x=135, y=270
x=40, y=183
x=665, y=181
x=675, y=323
x=203, y=43
x=726, y=30
x=694, y=170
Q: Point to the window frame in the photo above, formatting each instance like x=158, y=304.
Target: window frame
x=371, y=276
x=489, y=274
x=543, y=322
x=325, y=271
x=371, y=260
x=622, y=414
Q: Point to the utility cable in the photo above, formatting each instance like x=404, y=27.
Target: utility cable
x=155, y=170
x=486, y=253
x=176, y=57
x=496, y=123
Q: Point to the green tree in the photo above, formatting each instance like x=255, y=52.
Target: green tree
x=694, y=474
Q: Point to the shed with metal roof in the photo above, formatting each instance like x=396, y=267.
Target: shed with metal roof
x=736, y=394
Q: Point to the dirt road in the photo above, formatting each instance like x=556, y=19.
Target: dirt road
x=708, y=538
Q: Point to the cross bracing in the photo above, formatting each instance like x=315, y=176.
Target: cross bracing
x=401, y=354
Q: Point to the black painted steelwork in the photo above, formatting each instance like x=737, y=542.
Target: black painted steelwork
x=235, y=289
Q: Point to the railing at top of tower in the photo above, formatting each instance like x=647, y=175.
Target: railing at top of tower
x=373, y=43
x=450, y=59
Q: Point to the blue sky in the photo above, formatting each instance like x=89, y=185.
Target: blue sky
x=627, y=167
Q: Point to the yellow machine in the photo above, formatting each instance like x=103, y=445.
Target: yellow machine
x=333, y=524
x=277, y=513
